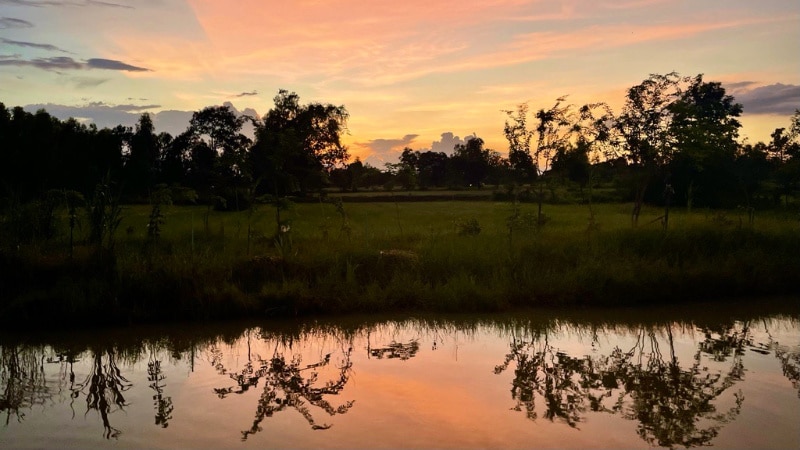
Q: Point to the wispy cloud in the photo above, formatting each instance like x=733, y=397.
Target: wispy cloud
x=66, y=63
x=33, y=45
x=111, y=64
x=45, y=3
x=54, y=63
x=88, y=82
x=246, y=94
x=108, y=4
x=10, y=22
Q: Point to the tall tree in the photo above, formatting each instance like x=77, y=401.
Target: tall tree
x=704, y=129
x=554, y=130
x=297, y=145
x=219, y=127
x=471, y=161
x=645, y=126
x=519, y=144
x=142, y=163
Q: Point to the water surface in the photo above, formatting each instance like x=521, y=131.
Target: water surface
x=721, y=375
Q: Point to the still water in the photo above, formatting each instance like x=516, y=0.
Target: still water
x=721, y=375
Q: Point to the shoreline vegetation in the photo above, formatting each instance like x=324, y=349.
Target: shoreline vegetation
x=659, y=203
x=340, y=256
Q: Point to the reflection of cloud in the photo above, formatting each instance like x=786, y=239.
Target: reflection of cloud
x=772, y=99
x=10, y=22
x=66, y=63
x=33, y=45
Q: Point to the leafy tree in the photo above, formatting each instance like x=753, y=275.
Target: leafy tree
x=219, y=127
x=432, y=168
x=142, y=162
x=175, y=159
x=751, y=169
x=645, y=127
x=201, y=167
x=596, y=138
x=297, y=145
x=471, y=161
x=785, y=156
x=403, y=174
x=519, y=144
x=573, y=160
x=553, y=131
x=704, y=129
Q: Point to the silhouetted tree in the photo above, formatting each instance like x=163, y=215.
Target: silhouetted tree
x=141, y=166
x=705, y=128
x=219, y=127
x=645, y=127
x=554, y=129
x=471, y=161
x=297, y=145
x=519, y=144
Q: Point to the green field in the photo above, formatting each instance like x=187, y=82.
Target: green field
x=387, y=256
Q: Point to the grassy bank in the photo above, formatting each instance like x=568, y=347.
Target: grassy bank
x=389, y=256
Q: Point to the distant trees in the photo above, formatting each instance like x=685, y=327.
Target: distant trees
x=675, y=141
x=471, y=161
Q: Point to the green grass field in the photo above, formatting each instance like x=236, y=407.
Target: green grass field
x=387, y=256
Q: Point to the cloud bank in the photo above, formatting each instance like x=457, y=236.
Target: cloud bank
x=771, y=99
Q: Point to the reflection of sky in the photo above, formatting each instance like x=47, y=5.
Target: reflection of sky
x=449, y=396
x=402, y=68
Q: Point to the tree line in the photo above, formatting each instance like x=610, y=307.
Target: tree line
x=675, y=141
x=213, y=161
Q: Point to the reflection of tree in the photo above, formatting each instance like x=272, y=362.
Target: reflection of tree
x=103, y=388
x=396, y=350
x=674, y=406
x=288, y=384
x=544, y=372
x=790, y=364
x=22, y=375
x=163, y=404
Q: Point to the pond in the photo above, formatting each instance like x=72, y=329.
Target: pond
x=719, y=374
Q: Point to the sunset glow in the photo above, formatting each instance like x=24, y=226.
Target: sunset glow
x=407, y=72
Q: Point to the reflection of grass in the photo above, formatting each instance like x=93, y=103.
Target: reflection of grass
x=199, y=271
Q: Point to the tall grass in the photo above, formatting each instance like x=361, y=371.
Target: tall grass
x=355, y=257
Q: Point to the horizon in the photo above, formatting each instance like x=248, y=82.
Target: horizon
x=419, y=75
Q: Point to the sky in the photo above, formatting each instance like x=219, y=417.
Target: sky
x=425, y=74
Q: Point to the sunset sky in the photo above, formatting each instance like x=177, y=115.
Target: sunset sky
x=422, y=74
